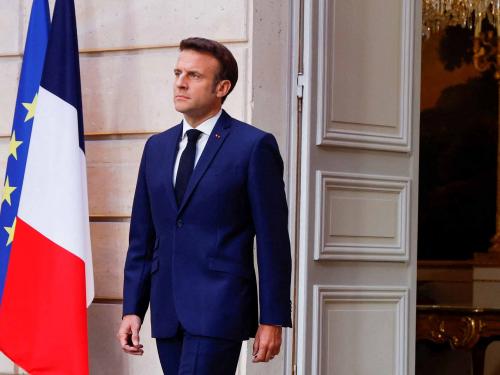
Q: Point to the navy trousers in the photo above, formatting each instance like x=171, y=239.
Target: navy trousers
x=186, y=354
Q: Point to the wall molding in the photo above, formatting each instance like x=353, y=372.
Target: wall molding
x=391, y=295
x=401, y=140
x=369, y=249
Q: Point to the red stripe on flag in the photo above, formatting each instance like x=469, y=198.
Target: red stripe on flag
x=43, y=316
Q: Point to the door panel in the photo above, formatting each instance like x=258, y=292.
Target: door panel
x=364, y=73
x=374, y=321
x=348, y=212
x=358, y=187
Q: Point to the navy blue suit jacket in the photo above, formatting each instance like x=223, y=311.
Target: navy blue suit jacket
x=194, y=263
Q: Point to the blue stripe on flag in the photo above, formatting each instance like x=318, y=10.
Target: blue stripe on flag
x=29, y=82
x=62, y=53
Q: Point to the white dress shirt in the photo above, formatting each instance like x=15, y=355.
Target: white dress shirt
x=206, y=128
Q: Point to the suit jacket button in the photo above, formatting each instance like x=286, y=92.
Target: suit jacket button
x=180, y=223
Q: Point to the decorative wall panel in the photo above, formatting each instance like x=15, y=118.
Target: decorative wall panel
x=361, y=217
x=105, y=353
x=129, y=92
x=365, y=95
x=109, y=248
x=112, y=168
x=125, y=24
x=10, y=19
x=10, y=68
x=360, y=330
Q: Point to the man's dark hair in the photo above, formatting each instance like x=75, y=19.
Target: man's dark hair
x=228, y=68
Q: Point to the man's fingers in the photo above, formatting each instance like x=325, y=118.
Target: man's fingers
x=128, y=335
x=261, y=354
x=133, y=350
x=276, y=347
x=256, y=345
x=135, y=337
x=266, y=352
x=122, y=337
x=135, y=327
x=269, y=356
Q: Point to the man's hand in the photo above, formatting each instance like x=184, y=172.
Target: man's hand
x=267, y=343
x=128, y=335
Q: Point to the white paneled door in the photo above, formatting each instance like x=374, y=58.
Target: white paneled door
x=357, y=154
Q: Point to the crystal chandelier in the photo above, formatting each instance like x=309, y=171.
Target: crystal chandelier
x=438, y=14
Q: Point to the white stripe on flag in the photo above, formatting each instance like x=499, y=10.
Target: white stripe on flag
x=54, y=195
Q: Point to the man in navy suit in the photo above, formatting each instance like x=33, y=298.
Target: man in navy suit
x=206, y=188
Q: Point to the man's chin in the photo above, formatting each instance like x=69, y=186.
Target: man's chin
x=180, y=108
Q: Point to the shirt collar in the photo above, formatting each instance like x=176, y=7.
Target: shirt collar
x=205, y=127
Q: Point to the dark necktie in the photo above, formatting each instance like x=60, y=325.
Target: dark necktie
x=186, y=164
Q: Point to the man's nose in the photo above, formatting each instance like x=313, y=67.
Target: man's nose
x=180, y=80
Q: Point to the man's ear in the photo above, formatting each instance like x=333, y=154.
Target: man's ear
x=222, y=88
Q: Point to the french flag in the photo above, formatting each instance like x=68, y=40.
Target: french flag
x=46, y=278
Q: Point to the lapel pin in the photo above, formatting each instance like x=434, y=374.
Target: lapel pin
x=217, y=135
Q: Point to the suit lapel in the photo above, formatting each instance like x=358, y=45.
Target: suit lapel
x=215, y=141
x=171, y=148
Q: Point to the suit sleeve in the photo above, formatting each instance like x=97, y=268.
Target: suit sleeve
x=270, y=216
x=137, y=278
